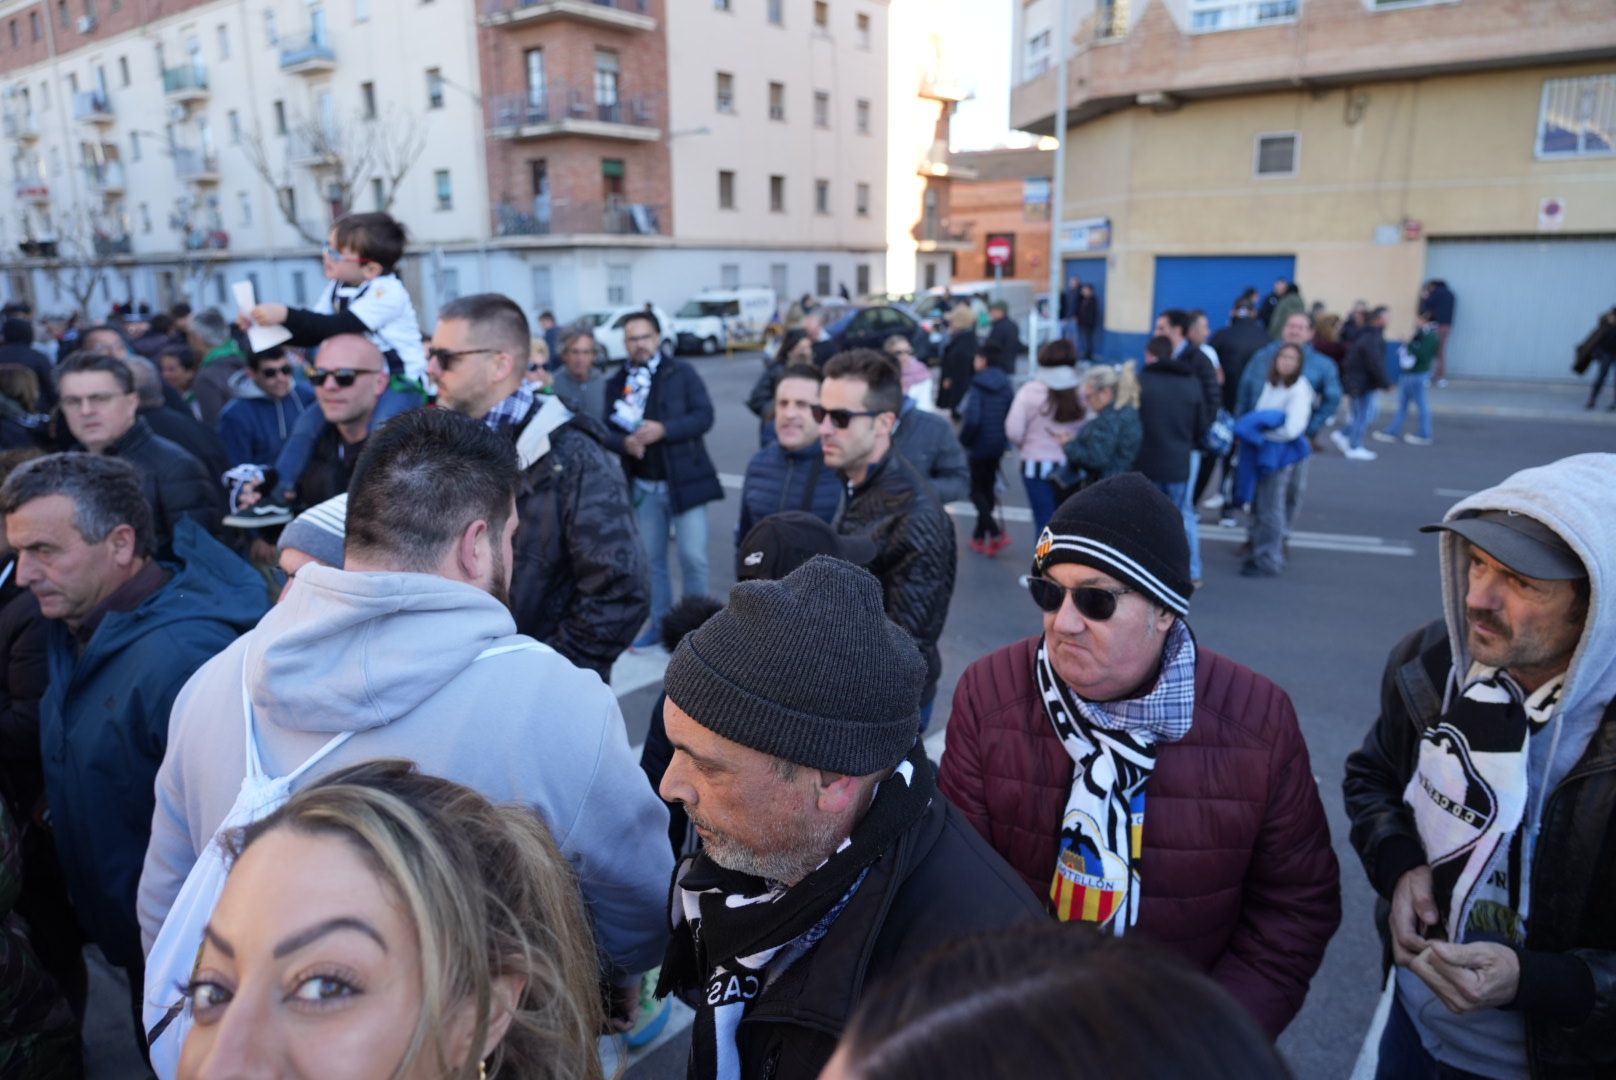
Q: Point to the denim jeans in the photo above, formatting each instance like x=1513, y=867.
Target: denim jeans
x=1404, y=1057
x=1182, y=495
x=1268, y=520
x=1415, y=390
x=1041, y=501
x=1364, y=407
x=656, y=517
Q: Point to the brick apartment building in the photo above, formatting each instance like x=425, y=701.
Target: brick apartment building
x=1004, y=194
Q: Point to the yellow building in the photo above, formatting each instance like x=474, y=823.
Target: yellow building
x=1360, y=147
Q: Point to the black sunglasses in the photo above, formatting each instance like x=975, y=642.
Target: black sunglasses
x=269, y=372
x=344, y=377
x=446, y=358
x=1092, y=601
x=839, y=418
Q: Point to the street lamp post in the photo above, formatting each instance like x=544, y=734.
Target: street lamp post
x=1057, y=195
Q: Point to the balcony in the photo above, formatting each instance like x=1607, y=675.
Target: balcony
x=936, y=235
x=21, y=126
x=195, y=167
x=92, y=107
x=1210, y=16
x=560, y=110
x=31, y=191
x=106, y=244
x=186, y=84
x=38, y=249
x=207, y=240
x=545, y=217
x=611, y=14
x=106, y=179
x=313, y=149
x=309, y=55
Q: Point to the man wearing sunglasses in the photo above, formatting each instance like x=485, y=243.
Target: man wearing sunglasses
x=255, y=427
x=888, y=500
x=1143, y=783
x=349, y=374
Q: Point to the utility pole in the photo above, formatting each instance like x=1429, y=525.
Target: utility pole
x=1057, y=194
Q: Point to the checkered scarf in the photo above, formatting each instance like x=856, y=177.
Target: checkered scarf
x=628, y=412
x=514, y=409
x=1113, y=749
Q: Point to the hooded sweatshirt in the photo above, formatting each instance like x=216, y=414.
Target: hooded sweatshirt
x=1576, y=497
x=431, y=670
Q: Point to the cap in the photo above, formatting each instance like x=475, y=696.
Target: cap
x=782, y=542
x=1522, y=543
x=319, y=531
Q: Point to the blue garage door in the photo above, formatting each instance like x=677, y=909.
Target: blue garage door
x=1211, y=282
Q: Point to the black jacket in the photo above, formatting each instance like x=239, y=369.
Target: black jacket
x=956, y=369
x=1207, y=373
x=1572, y=930
x=678, y=401
x=1088, y=311
x=914, y=539
x=580, y=583
x=940, y=881
x=982, y=420
x=330, y=468
x=1364, y=369
x=176, y=483
x=1439, y=305
x=928, y=442
x=1003, y=345
x=31, y=358
x=23, y=678
x=1172, y=414
x=1235, y=345
x=189, y=434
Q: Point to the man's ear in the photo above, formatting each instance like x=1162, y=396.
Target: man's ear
x=122, y=542
x=837, y=793
x=472, y=553
x=885, y=422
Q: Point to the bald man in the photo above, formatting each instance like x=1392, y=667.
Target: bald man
x=349, y=375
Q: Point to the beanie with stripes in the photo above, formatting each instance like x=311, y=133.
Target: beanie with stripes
x=1127, y=528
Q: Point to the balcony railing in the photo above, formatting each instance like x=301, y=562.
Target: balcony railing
x=207, y=240
x=616, y=14
x=944, y=232
x=106, y=178
x=308, y=54
x=113, y=245
x=92, y=106
x=38, y=249
x=1209, y=16
x=195, y=165
x=21, y=126
x=312, y=148
x=544, y=217
x=187, y=81
x=495, y=7
x=31, y=190
x=560, y=104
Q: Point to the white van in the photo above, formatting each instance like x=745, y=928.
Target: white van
x=713, y=318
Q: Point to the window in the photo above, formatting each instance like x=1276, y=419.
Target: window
x=244, y=201
x=448, y=284
x=780, y=280
x=1577, y=117
x=233, y=122
x=862, y=26
x=536, y=94
x=72, y=83
x=224, y=42
x=724, y=101
x=280, y=117
x=62, y=15
x=35, y=30
x=16, y=34
x=931, y=276
x=145, y=218
x=378, y=194
x=1207, y=16
x=776, y=12
x=861, y=113
x=367, y=99
x=821, y=196
x=607, y=105
x=434, y=88
x=821, y=16
x=861, y=204
x=44, y=97
x=1036, y=60
x=543, y=289
x=1277, y=154
x=440, y=185
x=123, y=71
x=777, y=101
x=822, y=279
x=218, y=288
x=821, y=109
x=722, y=5
x=777, y=194
x=361, y=11
x=726, y=189
x=300, y=289
x=729, y=275
x=619, y=283
x=271, y=35
x=861, y=279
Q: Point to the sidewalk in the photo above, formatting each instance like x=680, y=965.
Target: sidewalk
x=1561, y=402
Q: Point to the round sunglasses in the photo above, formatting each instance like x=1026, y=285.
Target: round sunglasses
x=1092, y=601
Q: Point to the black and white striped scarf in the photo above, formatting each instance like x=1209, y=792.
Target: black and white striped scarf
x=730, y=928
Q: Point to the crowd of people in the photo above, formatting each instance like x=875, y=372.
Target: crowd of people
x=306, y=724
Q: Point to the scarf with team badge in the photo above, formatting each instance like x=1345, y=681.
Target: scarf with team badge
x=730, y=928
x=1113, y=749
x=1468, y=796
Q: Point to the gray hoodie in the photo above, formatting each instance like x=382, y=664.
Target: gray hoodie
x=1576, y=497
x=431, y=670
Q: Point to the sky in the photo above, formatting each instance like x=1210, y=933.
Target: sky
x=983, y=122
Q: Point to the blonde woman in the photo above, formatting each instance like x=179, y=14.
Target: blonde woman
x=1107, y=445
x=1045, y=413
x=958, y=365
x=386, y=924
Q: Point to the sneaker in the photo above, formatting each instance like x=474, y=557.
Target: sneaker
x=1212, y=502
x=1341, y=443
x=1227, y=521
x=651, y=639
x=1253, y=568
x=259, y=516
x=998, y=543
x=1415, y=440
x=1358, y=453
x=1381, y=436
x=653, y=1013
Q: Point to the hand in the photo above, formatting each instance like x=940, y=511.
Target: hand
x=623, y=1007
x=634, y=447
x=1413, y=912
x=650, y=431
x=248, y=497
x=268, y=314
x=1483, y=975
x=1066, y=437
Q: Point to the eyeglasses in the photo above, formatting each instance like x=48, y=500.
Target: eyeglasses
x=336, y=256
x=72, y=403
x=344, y=377
x=1092, y=601
x=535, y=366
x=274, y=372
x=839, y=418
x=900, y=352
x=446, y=358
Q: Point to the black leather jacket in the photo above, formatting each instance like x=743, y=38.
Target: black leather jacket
x=914, y=537
x=1573, y=921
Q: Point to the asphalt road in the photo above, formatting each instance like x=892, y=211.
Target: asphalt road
x=1360, y=578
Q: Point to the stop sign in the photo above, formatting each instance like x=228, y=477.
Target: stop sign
x=998, y=251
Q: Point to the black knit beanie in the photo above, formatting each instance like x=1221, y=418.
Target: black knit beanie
x=1126, y=527
x=808, y=669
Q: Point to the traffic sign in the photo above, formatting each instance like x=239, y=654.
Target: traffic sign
x=998, y=251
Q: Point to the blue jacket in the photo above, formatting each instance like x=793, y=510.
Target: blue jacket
x=254, y=429
x=987, y=404
x=1319, y=370
x=678, y=401
x=103, y=724
x=1260, y=455
x=778, y=479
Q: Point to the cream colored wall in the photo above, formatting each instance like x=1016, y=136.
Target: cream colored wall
x=1454, y=153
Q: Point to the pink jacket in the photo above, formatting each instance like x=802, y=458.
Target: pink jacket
x=1031, y=425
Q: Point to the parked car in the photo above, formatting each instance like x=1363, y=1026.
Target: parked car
x=869, y=328
x=713, y=318
x=607, y=326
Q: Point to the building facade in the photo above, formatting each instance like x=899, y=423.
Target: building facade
x=1003, y=195
x=1359, y=147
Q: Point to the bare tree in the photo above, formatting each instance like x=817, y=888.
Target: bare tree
x=342, y=156
x=86, y=245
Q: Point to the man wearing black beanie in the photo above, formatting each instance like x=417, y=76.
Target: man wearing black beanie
x=1142, y=783
x=828, y=858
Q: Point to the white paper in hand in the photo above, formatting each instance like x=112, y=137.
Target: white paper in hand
x=259, y=338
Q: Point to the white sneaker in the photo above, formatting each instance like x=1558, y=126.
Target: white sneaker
x=1360, y=454
x=1381, y=436
x=1212, y=502
x=1415, y=440
x=1341, y=443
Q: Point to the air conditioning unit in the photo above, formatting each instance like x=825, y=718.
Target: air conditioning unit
x=86, y=24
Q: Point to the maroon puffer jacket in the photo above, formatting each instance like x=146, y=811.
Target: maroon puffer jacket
x=1237, y=874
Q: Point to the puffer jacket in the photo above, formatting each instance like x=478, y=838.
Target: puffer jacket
x=982, y=418
x=176, y=484
x=778, y=479
x=1238, y=874
x=1364, y=369
x=927, y=442
x=580, y=583
x=678, y=400
x=1107, y=445
x=915, y=551
x=1573, y=872
x=1173, y=419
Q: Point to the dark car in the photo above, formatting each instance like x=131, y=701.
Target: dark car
x=869, y=328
